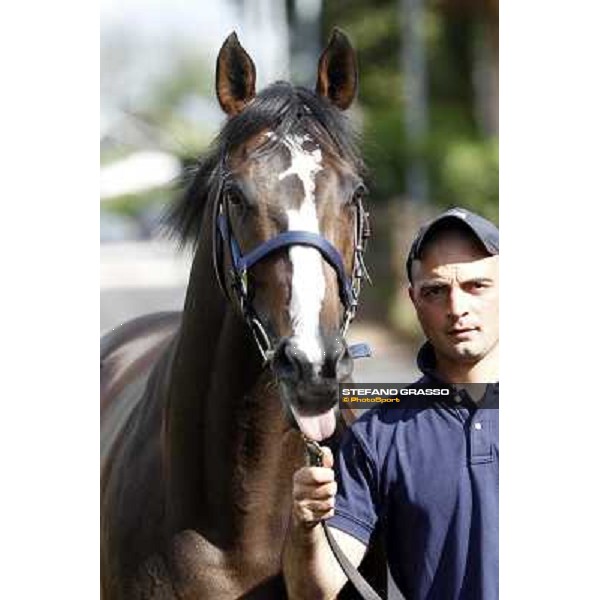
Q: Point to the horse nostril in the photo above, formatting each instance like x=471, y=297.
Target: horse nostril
x=337, y=362
x=293, y=364
x=330, y=364
x=290, y=362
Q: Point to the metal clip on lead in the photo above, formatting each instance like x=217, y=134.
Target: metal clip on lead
x=314, y=453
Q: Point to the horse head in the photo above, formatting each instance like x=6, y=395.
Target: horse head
x=288, y=223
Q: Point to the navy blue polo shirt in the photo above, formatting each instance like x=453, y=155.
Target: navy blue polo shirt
x=428, y=477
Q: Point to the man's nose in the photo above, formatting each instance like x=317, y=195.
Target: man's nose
x=458, y=303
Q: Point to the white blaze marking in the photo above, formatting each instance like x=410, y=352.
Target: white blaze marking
x=308, y=279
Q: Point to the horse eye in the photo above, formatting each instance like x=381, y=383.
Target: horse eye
x=359, y=193
x=234, y=197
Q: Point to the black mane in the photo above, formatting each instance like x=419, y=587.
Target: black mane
x=284, y=109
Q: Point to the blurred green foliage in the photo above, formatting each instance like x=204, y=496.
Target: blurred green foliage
x=459, y=151
x=131, y=204
x=467, y=174
x=177, y=113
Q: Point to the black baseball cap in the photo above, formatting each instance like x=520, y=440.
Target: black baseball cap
x=483, y=230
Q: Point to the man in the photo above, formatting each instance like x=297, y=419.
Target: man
x=426, y=475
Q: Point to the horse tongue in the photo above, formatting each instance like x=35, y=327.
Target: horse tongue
x=316, y=428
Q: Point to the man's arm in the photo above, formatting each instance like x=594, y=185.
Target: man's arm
x=310, y=569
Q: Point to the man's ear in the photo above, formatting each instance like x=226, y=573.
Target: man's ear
x=337, y=76
x=236, y=76
x=411, y=293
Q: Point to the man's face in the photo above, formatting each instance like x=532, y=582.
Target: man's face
x=455, y=294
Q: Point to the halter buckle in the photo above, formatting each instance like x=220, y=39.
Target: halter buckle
x=244, y=282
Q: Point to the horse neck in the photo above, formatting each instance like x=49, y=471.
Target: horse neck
x=229, y=450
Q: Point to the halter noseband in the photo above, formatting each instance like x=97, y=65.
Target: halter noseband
x=348, y=286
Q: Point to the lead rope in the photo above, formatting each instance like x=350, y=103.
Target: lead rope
x=314, y=454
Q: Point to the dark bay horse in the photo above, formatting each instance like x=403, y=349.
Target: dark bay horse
x=198, y=442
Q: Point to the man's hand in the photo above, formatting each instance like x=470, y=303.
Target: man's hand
x=314, y=490
x=311, y=570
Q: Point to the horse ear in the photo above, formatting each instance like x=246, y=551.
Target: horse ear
x=236, y=76
x=337, y=77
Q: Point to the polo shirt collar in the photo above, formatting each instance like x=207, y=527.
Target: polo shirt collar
x=426, y=362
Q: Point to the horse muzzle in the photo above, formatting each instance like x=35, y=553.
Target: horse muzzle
x=310, y=390
x=292, y=365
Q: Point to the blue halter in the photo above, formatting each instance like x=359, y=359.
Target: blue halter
x=348, y=286
x=241, y=264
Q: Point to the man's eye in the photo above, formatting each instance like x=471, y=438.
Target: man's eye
x=433, y=292
x=476, y=285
